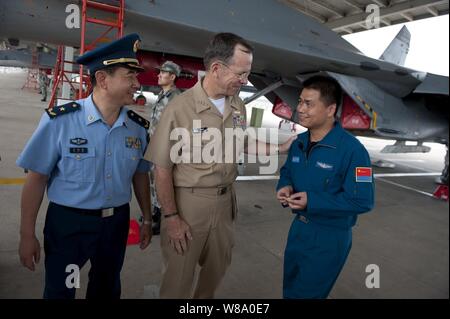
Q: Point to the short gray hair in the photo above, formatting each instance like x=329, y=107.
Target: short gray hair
x=221, y=48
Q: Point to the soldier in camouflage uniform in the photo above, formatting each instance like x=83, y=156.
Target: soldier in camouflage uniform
x=44, y=81
x=168, y=73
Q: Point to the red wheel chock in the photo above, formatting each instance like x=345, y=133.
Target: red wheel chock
x=441, y=192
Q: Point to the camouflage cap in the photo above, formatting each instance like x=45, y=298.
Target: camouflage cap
x=171, y=67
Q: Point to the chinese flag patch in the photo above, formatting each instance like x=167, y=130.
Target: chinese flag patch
x=363, y=175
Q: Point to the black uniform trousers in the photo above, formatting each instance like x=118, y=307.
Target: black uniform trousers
x=73, y=236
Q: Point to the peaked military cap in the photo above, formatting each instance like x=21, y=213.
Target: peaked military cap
x=121, y=51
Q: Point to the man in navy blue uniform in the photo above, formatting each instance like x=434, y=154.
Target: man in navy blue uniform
x=326, y=181
x=87, y=154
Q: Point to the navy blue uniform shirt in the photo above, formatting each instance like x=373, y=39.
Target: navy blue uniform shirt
x=337, y=177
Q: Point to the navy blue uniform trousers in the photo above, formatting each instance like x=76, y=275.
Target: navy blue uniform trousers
x=72, y=237
x=314, y=256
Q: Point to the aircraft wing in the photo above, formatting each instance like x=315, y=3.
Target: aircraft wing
x=433, y=84
x=23, y=58
x=287, y=42
x=288, y=47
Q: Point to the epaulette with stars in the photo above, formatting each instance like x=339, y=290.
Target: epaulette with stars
x=138, y=119
x=62, y=109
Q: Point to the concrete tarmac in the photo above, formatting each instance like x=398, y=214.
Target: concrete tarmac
x=406, y=235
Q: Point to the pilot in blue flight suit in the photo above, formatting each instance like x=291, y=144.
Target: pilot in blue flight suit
x=87, y=154
x=326, y=181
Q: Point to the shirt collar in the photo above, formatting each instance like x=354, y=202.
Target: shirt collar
x=234, y=102
x=202, y=101
x=334, y=136
x=92, y=114
x=331, y=139
x=123, y=117
x=170, y=91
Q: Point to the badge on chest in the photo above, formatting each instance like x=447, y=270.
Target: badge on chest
x=78, y=141
x=239, y=120
x=133, y=142
x=325, y=166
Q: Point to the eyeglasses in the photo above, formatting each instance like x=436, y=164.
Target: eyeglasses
x=241, y=76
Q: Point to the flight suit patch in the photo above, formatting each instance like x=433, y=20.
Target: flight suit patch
x=363, y=174
x=295, y=159
x=325, y=166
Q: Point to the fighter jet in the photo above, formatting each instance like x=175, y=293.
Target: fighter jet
x=383, y=98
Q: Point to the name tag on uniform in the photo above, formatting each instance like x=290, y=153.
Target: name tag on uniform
x=363, y=174
x=326, y=166
x=78, y=150
x=78, y=141
x=199, y=130
x=295, y=159
x=133, y=142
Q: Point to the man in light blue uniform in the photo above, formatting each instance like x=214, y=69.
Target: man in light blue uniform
x=327, y=182
x=88, y=153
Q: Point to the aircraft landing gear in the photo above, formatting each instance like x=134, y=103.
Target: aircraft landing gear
x=443, y=179
x=444, y=176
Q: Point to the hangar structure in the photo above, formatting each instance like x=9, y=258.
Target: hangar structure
x=349, y=16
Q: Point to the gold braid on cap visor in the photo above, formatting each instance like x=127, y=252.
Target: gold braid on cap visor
x=121, y=60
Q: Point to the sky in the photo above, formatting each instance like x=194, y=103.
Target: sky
x=429, y=49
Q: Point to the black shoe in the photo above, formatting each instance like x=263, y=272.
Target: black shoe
x=43, y=100
x=156, y=218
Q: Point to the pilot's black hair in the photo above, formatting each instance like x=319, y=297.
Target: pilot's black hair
x=329, y=88
x=221, y=48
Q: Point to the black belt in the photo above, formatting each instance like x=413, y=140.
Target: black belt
x=104, y=212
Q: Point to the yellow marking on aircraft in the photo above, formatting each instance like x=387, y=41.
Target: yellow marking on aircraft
x=374, y=120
